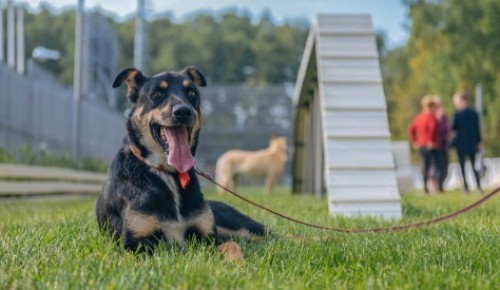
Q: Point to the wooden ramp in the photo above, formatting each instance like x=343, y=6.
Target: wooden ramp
x=341, y=111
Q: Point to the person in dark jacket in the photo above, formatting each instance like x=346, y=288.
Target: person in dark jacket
x=467, y=140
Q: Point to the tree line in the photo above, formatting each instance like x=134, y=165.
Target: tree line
x=228, y=47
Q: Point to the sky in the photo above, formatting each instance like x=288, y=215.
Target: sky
x=388, y=15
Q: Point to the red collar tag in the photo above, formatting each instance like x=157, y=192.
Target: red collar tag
x=184, y=179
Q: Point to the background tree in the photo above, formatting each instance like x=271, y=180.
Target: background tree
x=228, y=46
x=451, y=43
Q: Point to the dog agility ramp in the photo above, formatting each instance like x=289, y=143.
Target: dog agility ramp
x=341, y=112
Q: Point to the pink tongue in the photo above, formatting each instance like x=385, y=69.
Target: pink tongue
x=179, y=151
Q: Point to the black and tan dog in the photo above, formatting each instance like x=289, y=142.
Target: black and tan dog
x=152, y=192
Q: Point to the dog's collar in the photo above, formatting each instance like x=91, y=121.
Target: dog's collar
x=183, y=177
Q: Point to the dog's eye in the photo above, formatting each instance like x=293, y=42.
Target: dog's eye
x=191, y=93
x=156, y=94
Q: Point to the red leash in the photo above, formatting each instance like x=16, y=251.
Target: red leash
x=359, y=230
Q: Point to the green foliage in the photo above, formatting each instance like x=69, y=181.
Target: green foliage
x=55, y=244
x=26, y=155
x=228, y=47
x=452, y=43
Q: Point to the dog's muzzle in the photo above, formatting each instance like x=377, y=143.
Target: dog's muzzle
x=174, y=136
x=183, y=115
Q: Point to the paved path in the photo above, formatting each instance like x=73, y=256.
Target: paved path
x=25, y=180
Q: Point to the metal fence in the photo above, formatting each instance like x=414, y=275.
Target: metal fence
x=35, y=110
x=243, y=117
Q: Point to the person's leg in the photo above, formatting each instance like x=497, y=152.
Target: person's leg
x=440, y=167
x=434, y=168
x=446, y=164
x=461, y=161
x=476, y=172
x=426, y=165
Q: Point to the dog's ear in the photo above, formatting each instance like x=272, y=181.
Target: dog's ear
x=195, y=75
x=134, y=78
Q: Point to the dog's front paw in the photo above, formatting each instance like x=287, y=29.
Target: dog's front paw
x=231, y=251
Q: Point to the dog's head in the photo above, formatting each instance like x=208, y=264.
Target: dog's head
x=165, y=119
x=278, y=144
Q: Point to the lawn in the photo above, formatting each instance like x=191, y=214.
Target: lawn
x=55, y=244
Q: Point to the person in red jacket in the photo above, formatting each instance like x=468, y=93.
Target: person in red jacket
x=423, y=134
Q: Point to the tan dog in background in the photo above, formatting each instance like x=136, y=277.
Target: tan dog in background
x=268, y=162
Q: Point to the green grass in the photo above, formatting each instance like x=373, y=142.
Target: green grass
x=55, y=244
x=26, y=155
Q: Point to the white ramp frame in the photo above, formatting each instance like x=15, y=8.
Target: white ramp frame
x=359, y=166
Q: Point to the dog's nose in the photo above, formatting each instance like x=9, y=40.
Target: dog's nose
x=182, y=112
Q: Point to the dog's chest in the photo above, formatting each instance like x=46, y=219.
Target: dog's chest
x=202, y=221
x=170, y=182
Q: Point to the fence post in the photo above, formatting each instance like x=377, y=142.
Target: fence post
x=1, y=32
x=479, y=104
x=77, y=79
x=20, y=40
x=139, y=36
x=11, y=45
